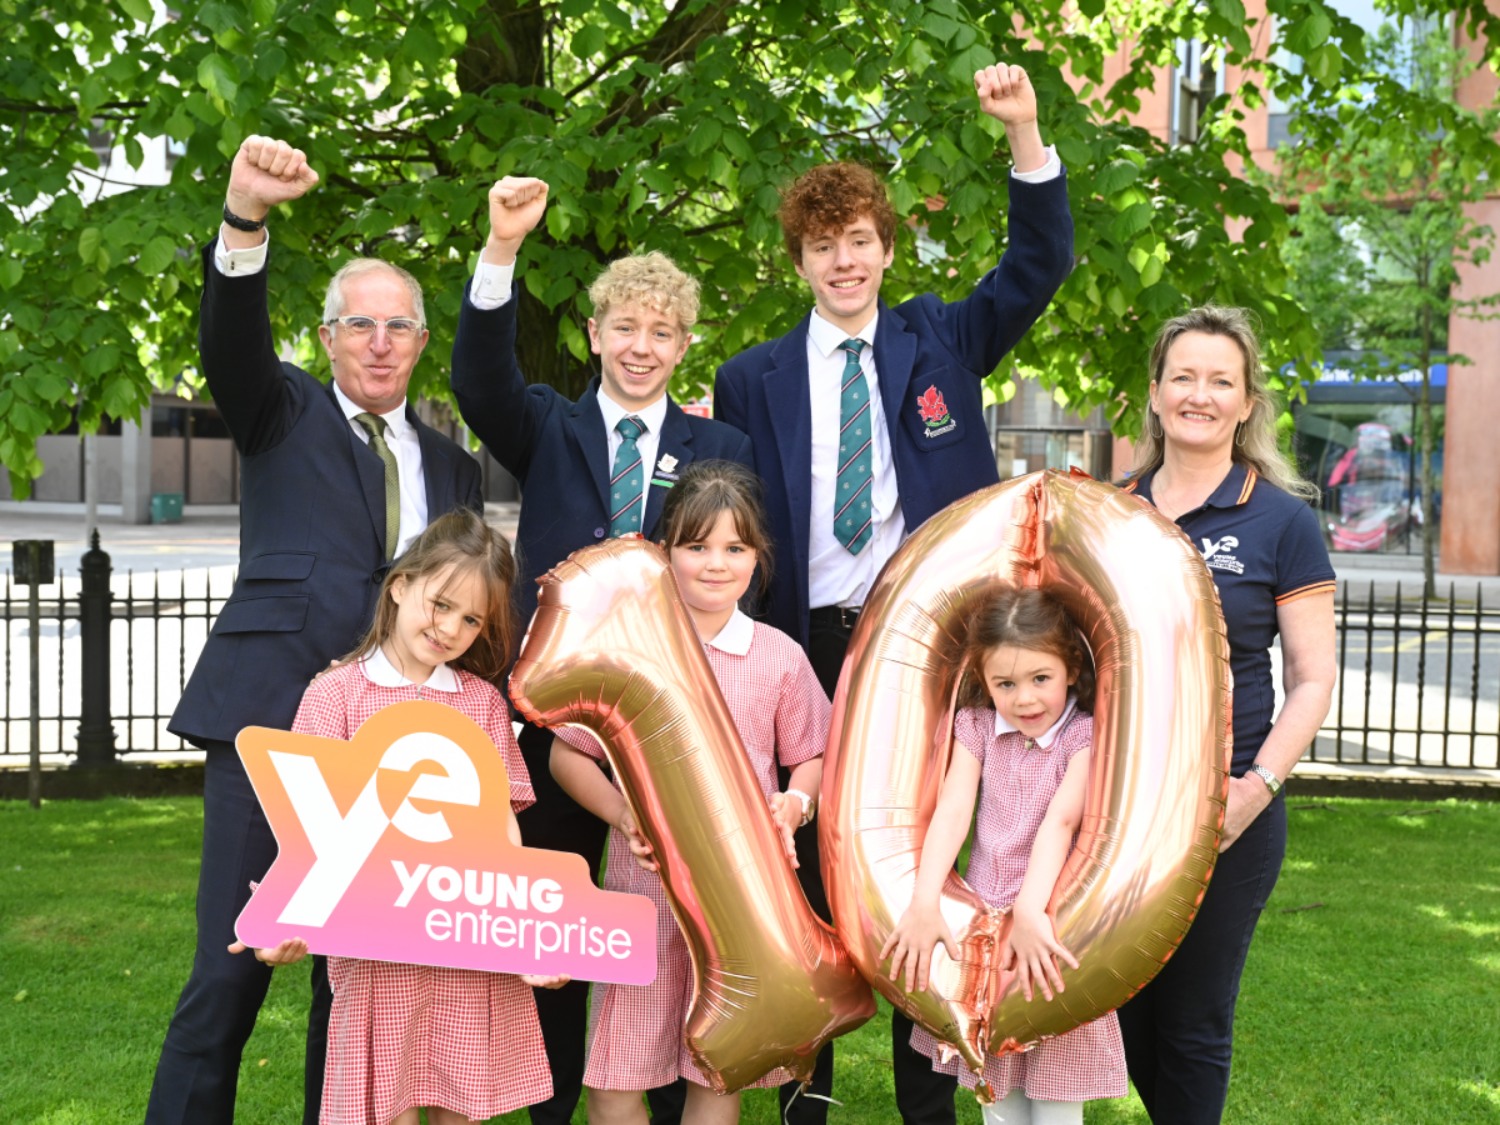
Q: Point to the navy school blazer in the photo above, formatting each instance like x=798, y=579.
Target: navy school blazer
x=312, y=520
x=557, y=449
x=931, y=358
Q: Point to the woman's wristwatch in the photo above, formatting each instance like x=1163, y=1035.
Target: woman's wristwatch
x=807, y=803
x=1273, y=783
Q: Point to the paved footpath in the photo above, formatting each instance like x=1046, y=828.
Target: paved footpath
x=207, y=535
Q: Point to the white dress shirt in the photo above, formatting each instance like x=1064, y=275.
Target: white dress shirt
x=834, y=576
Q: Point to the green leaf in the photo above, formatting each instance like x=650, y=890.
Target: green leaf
x=11, y=272
x=139, y=10
x=216, y=75
x=157, y=255
x=101, y=360
x=50, y=386
x=704, y=136
x=88, y=244
x=589, y=40
x=122, y=398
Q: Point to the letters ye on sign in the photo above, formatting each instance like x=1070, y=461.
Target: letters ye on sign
x=392, y=847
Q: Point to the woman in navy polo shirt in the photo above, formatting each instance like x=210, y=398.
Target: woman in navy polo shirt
x=1208, y=459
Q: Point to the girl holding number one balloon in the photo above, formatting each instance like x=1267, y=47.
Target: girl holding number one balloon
x=1023, y=737
x=714, y=530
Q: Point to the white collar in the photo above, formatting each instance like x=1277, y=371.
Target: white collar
x=827, y=336
x=1043, y=741
x=651, y=417
x=395, y=419
x=736, y=635
x=379, y=670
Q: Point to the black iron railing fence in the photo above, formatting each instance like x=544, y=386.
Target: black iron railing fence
x=1419, y=681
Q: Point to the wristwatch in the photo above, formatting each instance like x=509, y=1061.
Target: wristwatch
x=1273, y=783
x=807, y=803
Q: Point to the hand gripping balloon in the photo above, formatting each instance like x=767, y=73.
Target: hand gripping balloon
x=612, y=649
x=1144, y=600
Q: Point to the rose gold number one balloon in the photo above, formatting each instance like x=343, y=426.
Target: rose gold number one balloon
x=611, y=648
x=1150, y=834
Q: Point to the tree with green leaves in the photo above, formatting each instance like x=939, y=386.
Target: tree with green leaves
x=1382, y=231
x=662, y=127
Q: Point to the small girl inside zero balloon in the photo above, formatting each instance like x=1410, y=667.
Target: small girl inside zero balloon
x=714, y=529
x=463, y=1043
x=1023, y=737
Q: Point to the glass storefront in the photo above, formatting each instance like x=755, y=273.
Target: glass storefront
x=1359, y=441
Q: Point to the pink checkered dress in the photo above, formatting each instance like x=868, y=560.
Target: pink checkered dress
x=1019, y=780
x=781, y=713
x=411, y=1035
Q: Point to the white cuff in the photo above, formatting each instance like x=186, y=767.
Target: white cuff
x=491, y=285
x=807, y=803
x=240, y=263
x=1048, y=171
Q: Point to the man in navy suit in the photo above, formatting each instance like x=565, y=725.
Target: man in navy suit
x=589, y=469
x=866, y=419
x=318, y=513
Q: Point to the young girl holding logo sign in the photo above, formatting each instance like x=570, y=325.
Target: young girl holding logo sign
x=714, y=529
x=1024, y=736
x=462, y=1043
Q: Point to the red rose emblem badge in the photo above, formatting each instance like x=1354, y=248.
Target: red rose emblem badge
x=933, y=409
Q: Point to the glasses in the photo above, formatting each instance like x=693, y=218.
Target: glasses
x=398, y=328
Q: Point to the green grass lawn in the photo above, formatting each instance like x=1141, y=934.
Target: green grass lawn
x=1372, y=993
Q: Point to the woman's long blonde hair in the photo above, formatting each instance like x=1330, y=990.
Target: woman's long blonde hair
x=1255, y=443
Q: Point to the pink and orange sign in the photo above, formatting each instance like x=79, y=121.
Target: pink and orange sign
x=393, y=848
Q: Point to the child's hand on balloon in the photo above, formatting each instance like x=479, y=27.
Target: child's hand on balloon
x=911, y=944
x=787, y=815
x=640, y=847
x=1032, y=951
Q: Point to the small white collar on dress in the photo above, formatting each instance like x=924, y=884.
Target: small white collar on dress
x=379, y=670
x=1042, y=741
x=736, y=635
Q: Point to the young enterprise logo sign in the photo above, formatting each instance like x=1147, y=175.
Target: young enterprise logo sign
x=393, y=847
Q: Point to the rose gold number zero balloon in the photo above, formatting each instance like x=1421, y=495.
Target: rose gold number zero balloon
x=1150, y=834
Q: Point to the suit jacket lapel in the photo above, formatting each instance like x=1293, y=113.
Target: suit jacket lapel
x=786, y=390
x=895, y=357
x=587, y=424
x=676, y=442
x=437, y=475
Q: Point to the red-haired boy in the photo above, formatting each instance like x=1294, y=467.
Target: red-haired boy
x=867, y=418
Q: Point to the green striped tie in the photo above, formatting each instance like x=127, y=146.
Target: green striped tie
x=851, y=504
x=375, y=425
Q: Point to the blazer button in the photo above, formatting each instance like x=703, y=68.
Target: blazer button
x=598, y=533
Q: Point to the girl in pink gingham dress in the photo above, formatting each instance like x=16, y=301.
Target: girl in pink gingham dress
x=464, y=1044
x=1023, y=741
x=714, y=530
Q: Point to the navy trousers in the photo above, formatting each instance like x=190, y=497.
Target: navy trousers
x=1179, y=1030
x=923, y=1096
x=198, y=1073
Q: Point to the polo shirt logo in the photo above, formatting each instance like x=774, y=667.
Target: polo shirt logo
x=1218, y=554
x=934, y=412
